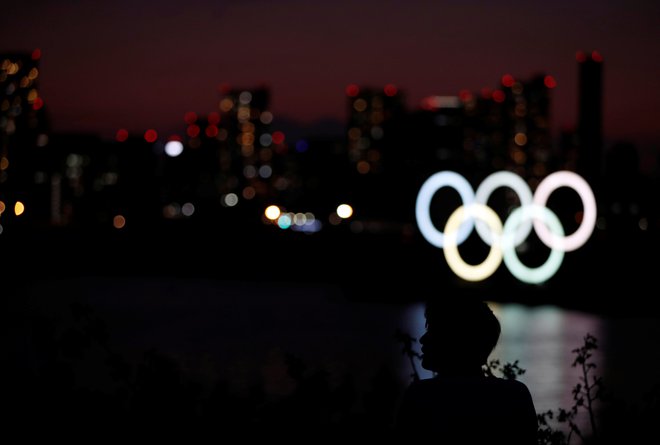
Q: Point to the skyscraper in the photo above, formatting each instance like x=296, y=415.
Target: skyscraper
x=234, y=162
x=509, y=128
x=590, y=116
x=23, y=132
x=373, y=114
x=374, y=146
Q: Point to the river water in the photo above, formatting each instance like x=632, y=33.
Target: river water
x=215, y=325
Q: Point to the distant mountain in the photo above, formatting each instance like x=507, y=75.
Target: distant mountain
x=322, y=128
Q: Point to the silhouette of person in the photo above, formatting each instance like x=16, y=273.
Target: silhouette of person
x=463, y=403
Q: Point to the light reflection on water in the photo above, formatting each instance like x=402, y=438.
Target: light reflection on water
x=541, y=340
x=236, y=322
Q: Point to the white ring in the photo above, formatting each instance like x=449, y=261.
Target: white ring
x=526, y=274
x=518, y=185
x=516, y=227
x=423, y=206
x=566, y=179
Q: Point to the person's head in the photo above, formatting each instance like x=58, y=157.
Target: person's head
x=460, y=335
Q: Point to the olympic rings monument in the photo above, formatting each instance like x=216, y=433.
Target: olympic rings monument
x=503, y=238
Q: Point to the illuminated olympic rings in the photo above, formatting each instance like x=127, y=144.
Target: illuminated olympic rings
x=503, y=239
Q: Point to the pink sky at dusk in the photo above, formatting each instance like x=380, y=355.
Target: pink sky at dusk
x=139, y=65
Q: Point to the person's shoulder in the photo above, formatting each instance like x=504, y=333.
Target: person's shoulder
x=488, y=384
x=421, y=385
x=514, y=384
x=512, y=389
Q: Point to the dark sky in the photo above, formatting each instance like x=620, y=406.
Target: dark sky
x=140, y=64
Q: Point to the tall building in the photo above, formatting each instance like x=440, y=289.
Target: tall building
x=248, y=152
x=509, y=128
x=487, y=132
x=375, y=128
x=373, y=118
x=590, y=116
x=23, y=136
x=233, y=162
x=433, y=140
x=71, y=180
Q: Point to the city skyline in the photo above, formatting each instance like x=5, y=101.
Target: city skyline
x=232, y=164
x=383, y=147
x=139, y=67
x=225, y=216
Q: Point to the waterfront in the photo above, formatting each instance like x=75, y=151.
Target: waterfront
x=237, y=331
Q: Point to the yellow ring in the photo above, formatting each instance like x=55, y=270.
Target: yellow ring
x=464, y=270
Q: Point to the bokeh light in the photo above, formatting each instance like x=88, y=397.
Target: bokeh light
x=188, y=209
x=284, y=221
x=230, y=199
x=19, y=208
x=278, y=137
x=344, y=211
x=549, y=81
x=508, y=80
x=122, y=135
x=150, y=135
x=352, y=90
x=173, y=148
x=390, y=90
x=119, y=222
x=272, y=212
x=499, y=96
x=190, y=117
x=266, y=117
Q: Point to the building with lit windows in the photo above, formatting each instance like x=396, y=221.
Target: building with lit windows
x=508, y=128
x=248, y=148
x=375, y=127
x=393, y=151
x=233, y=161
x=373, y=116
x=436, y=135
x=23, y=137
